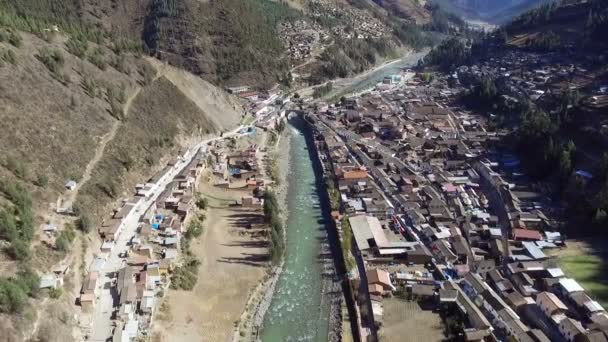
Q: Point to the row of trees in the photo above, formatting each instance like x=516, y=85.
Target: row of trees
x=185, y=276
x=272, y=214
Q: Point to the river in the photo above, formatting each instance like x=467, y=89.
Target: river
x=370, y=78
x=300, y=307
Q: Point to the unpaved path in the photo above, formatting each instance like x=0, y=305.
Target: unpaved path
x=101, y=147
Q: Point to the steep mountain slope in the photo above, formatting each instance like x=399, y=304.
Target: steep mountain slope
x=409, y=9
x=103, y=119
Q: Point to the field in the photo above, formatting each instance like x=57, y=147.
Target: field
x=234, y=259
x=586, y=264
x=407, y=321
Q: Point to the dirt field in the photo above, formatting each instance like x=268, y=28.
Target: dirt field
x=232, y=263
x=405, y=321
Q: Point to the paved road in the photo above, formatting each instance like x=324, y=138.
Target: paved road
x=101, y=328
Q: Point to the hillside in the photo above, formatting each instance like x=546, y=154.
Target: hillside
x=258, y=43
x=544, y=78
x=75, y=109
x=409, y=9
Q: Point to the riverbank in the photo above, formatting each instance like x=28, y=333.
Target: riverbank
x=233, y=252
x=306, y=299
x=260, y=298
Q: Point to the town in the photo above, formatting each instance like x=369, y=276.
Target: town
x=431, y=208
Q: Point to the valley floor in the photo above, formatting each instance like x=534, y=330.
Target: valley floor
x=232, y=263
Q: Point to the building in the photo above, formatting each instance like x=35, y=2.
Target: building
x=570, y=328
x=381, y=278
x=550, y=304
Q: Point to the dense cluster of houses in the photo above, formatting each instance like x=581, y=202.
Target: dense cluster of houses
x=440, y=212
x=152, y=250
x=536, y=76
x=300, y=37
x=349, y=22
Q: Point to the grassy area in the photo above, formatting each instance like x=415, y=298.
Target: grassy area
x=589, y=271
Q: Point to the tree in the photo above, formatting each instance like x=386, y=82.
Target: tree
x=201, y=201
x=19, y=250
x=12, y=297
x=84, y=223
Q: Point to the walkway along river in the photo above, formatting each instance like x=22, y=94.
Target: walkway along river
x=306, y=302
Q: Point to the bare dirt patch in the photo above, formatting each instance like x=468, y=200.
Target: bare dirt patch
x=407, y=321
x=233, y=262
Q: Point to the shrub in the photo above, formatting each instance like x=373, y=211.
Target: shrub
x=51, y=58
x=77, y=46
x=201, y=202
x=8, y=56
x=116, y=109
x=195, y=229
x=185, y=277
x=12, y=297
x=55, y=293
x=14, y=291
x=118, y=62
x=90, y=86
x=41, y=180
x=14, y=38
x=18, y=250
x=63, y=242
x=148, y=73
x=16, y=166
x=84, y=223
x=97, y=58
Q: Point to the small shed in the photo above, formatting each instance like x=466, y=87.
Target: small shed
x=50, y=281
x=70, y=185
x=48, y=228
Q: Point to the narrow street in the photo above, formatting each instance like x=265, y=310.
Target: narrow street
x=101, y=320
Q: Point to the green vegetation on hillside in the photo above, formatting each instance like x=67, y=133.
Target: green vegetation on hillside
x=17, y=220
x=451, y=53
x=541, y=139
x=240, y=37
x=14, y=291
x=413, y=36
x=348, y=56
x=534, y=17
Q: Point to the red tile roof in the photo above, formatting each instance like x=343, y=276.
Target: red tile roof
x=525, y=234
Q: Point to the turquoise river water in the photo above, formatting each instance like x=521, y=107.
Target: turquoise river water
x=299, y=310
